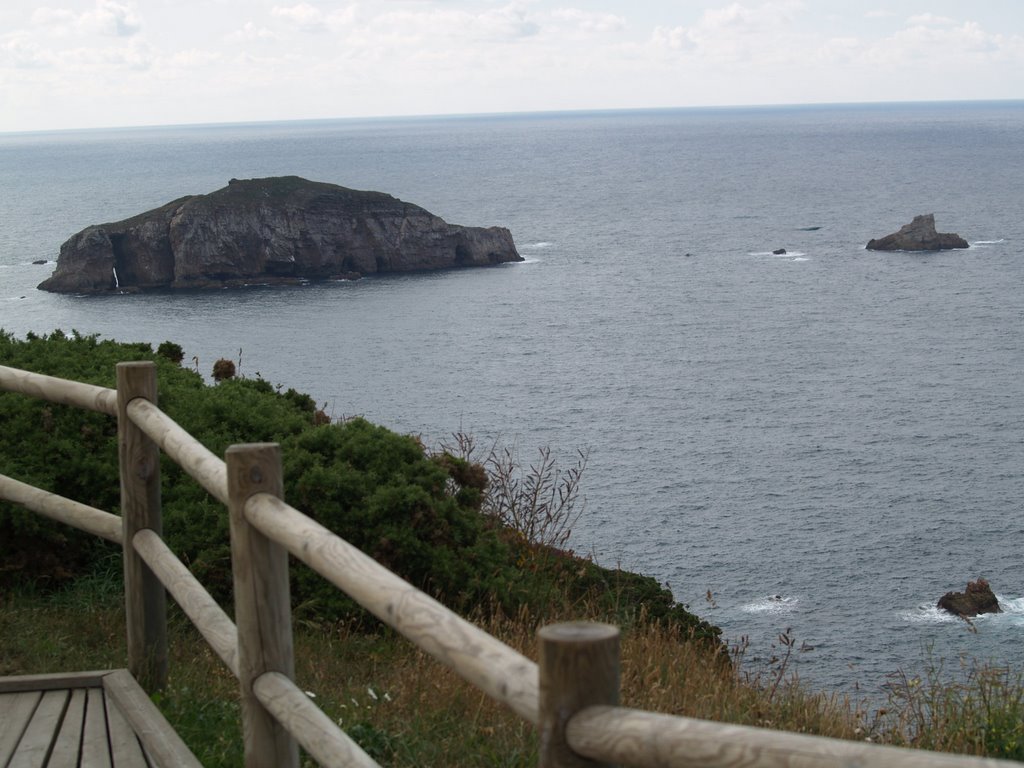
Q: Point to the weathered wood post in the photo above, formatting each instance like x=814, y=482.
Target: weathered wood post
x=262, y=603
x=144, y=595
x=579, y=668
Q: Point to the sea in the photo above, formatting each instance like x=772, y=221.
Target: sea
x=815, y=444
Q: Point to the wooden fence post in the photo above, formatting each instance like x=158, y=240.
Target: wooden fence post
x=579, y=667
x=145, y=597
x=262, y=603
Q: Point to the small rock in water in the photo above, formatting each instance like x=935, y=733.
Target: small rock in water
x=918, y=235
x=779, y=251
x=977, y=598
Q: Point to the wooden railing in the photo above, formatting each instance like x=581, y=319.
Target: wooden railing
x=571, y=696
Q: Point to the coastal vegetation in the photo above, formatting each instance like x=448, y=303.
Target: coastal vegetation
x=429, y=515
x=474, y=528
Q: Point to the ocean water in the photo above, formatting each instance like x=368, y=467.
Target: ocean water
x=824, y=441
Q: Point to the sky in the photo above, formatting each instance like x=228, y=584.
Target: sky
x=103, y=63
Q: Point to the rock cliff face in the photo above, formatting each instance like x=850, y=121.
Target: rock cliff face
x=282, y=229
x=918, y=235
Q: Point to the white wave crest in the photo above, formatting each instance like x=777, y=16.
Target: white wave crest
x=1011, y=605
x=929, y=613
x=989, y=242
x=536, y=246
x=771, y=604
x=788, y=255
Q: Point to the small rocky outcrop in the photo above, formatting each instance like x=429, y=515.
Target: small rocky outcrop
x=977, y=598
x=274, y=230
x=779, y=252
x=918, y=235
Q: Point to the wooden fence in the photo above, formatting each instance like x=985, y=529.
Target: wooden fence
x=571, y=695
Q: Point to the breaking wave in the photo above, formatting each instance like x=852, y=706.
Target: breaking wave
x=771, y=604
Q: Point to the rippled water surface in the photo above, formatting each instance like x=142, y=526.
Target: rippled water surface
x=825, y=440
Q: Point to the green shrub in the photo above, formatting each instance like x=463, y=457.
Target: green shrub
x=171, y=351
x=425, y=517
x=223, y=369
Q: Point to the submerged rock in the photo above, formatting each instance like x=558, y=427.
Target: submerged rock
x=977, y=598
x=274, y=230
x=918, y=235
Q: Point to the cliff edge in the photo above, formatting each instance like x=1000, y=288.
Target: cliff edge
x=281, y=229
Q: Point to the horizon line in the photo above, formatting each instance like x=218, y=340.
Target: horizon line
x=583, y=111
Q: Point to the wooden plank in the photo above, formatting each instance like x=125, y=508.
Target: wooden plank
x=145, y=598
x=95, y=748
x=208, y=617
x=37, y=740
x=499, y=671
x=259, y=567
x=67, y=745
x=15, y=714
x=125, y=750
x=81, y=516
x=52, y=681
x=87, y=396
x=316, y=732
x=158, y=739
x=649, y=740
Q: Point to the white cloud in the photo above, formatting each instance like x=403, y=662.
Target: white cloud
x=674, y=38
x=920, y=40
x=249, y=32
x=433, y=24
x=736, y=32
x=930, y=19
x=56, y=20
x=193, y=58
x=303, y=16
x=589, y=21
x=110, y=17
x=106, y=17
x=20, y=52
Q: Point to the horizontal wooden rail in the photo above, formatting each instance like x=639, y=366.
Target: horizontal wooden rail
x=207, y=616
x=87, y=396
x=80, y=516
x=499, y=671
x=318, y=735
x=649, y=740
x=191, y=455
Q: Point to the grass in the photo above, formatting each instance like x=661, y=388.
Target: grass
x=407, y=710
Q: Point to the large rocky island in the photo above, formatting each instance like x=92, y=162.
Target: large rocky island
x=273, y=230
x=918, y=235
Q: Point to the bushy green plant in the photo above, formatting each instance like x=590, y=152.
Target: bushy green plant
x=171, y=351
x=223, y=369
x=423, y=516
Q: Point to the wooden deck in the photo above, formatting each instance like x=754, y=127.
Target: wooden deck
x=85, y=719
